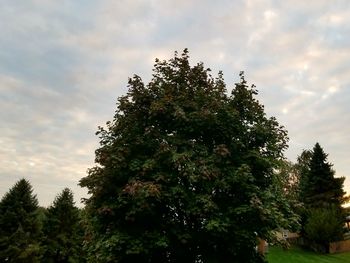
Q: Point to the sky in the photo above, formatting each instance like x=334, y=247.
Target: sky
x=63, y=64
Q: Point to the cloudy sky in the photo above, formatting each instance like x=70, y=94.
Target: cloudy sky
x=64, y=63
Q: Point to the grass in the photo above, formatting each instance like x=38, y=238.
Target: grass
x=297, y=255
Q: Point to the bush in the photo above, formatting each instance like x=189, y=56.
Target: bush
x=324, y=225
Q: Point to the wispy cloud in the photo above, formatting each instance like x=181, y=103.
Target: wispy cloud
x=63, y=64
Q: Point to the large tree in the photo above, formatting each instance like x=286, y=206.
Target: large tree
x=184, y=171
x=19, y=225
x=62, y=239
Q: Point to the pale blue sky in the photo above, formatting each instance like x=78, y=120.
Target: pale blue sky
x=64, y=63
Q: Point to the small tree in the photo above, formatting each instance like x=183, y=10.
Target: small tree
x=185, y=171
x=19, y=225
x=324, y=225
x=62, y=234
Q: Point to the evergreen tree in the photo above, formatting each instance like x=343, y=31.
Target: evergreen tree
x=62, y=233
x=322, y=195
x=302, y=169
x=19, y=225
x=185, y=171
x=321, y=188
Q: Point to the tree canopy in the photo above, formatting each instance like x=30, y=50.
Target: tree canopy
x=185, y=171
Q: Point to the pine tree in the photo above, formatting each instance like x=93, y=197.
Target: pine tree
x=302, y=168
x=322, y=195
x=62, y=233
x=19, y=225
x=321, y=187
x=184, y=171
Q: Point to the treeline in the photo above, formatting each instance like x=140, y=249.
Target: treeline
x=30, y=233
x=62, y=232
x=185, y=172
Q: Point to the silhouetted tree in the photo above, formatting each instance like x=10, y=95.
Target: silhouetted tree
x=303, y=167
x=19, y=225
x=62, y=232
x=322, y=195
x=321, y=187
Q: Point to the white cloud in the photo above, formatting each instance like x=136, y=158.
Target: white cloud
x=62, y=66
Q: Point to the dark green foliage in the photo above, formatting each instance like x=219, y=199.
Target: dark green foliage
x=62, y=240
x=324, y=225
x=303, y=167
x=318, y=186
x=185, y=172
x=322, y=188
x=322, y=195
x=19, y=225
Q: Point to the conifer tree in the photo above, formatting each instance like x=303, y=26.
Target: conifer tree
x=302, y=168
x=19, y=225
x=322, y=195
x=62, y=233
x=320, y=187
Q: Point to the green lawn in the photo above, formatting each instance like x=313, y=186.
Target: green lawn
x=297, y=255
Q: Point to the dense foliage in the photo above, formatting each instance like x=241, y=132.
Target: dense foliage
x=324, y=225
x=62, y=232
x=321, y=187
x=185, y=171
x=19, y=225
x=322, y=195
